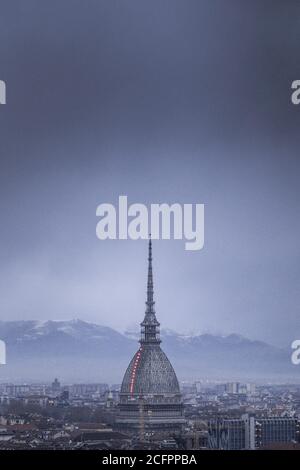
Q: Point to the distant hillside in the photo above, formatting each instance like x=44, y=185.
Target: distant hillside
x=77, y=351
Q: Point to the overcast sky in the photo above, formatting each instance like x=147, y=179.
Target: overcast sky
x=164, y=101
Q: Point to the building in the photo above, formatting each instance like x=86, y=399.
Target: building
x=227, y=434
x=232, y=387
x=150, y=397
x=17, y=390
x=274, y=430
x=87, y=390
x=35, y=400
x=55, y=386
x=250, y=432
x=195, y=439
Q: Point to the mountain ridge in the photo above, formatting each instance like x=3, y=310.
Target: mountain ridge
x=76, y=350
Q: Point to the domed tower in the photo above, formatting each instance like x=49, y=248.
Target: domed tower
x=150, y=397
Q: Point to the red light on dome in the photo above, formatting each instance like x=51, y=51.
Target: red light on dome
x=133, y=373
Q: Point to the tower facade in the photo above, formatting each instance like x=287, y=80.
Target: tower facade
x=150, y=397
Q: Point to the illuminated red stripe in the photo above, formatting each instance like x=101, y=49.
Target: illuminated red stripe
x=133, y=373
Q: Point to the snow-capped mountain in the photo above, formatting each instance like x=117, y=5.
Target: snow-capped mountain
x=80, y=351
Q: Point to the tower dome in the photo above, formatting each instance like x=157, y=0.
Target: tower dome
x=150, y=372
x=150, y=386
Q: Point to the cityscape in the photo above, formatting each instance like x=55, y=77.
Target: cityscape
x=150, y=409
x=228, y=416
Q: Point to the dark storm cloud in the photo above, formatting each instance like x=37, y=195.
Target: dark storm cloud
x=163, y=101
x=208, y=67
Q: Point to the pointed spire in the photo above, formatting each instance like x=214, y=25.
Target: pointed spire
x=150, y=325
x=150, y=291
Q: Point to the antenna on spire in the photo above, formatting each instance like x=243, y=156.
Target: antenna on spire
x=150, y=290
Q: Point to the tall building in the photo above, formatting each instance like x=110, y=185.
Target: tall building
x=150, y=397
x=249, y=432
x=274, y=430
x=227, y=434
x=55, y=386
x=232, y=387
